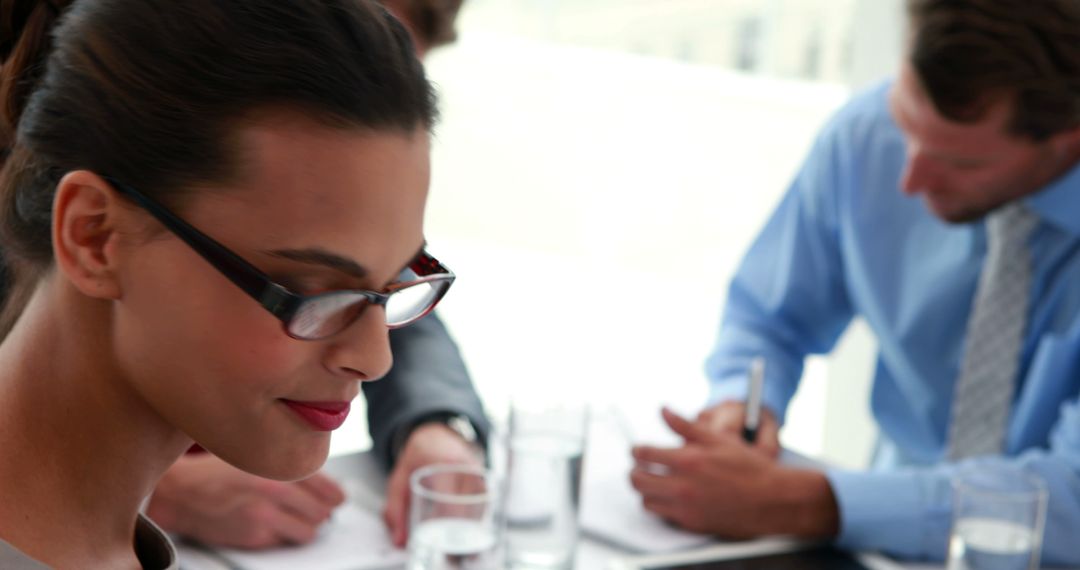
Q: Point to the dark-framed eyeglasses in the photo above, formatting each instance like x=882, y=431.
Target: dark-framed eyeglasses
x=414, y=294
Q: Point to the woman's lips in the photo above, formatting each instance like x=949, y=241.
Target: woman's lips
x=323, y=416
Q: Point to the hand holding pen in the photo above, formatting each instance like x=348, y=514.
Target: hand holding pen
x=749, y=419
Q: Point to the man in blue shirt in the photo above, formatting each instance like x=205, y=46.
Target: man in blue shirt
x=888, y=220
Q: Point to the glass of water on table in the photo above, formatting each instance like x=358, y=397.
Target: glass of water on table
x=546, y=443
x=453, y=521
x=999, y=514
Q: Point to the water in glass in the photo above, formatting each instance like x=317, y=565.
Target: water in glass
x=542, y=518
x=454, y=544
x=991, y=544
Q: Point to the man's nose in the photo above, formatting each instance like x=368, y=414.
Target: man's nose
x=919, y=173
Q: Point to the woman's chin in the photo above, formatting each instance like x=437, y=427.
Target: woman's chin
x=292, y=472
x=280, y=463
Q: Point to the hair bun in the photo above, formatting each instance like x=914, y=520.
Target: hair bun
x=25, y=40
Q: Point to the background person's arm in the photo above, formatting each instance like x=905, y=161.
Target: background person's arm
x=909, y=512
x=405, y=411
x=789, y=298
x=428, y=379
x=204, y=498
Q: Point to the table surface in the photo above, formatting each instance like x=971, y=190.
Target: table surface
x=365, y=482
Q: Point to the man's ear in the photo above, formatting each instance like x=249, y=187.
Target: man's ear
x=1066, y=144
x=86, y=212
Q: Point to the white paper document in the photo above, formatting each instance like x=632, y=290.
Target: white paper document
x=611, y=509
x=612, y=512
x=354, y=539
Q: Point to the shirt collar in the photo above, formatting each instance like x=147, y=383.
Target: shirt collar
x=1058, y=202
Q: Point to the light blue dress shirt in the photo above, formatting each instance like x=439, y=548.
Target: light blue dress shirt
x=845, y=241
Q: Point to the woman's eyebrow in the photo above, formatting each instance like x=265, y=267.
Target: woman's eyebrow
x=316, y=256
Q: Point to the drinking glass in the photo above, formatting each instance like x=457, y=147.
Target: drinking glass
x=546, y=446
x=998, y=519
x=453, y=522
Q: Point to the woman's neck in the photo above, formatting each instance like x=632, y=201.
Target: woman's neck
x=81, y=448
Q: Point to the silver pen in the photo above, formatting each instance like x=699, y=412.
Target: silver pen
x=752, y=420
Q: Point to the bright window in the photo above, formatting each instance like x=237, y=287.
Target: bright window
x=600, y=169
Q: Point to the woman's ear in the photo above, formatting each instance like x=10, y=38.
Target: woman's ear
x=86, y=212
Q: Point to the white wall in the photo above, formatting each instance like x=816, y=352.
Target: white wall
x=594, y=205
x=877, y=37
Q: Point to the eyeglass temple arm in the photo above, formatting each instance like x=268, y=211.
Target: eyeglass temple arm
x=255, y=283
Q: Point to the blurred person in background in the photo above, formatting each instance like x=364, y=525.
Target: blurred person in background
x=425, y=411
x=942, y=207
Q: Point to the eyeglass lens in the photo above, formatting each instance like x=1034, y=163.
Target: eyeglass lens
x=328, y=314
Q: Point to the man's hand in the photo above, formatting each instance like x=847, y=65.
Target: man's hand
x=717, y=484
x=428, y=444
x=728, y=418
x=206, y=499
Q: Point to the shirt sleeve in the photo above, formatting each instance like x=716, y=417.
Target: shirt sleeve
x=909, y=513
x=788, y=298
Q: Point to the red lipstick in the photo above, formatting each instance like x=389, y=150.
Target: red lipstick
x=323, y=416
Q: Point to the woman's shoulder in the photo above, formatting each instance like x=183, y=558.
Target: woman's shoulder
x=12, y=558
x=152, y=546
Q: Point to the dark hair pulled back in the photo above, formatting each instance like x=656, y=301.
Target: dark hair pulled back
x=149, y=92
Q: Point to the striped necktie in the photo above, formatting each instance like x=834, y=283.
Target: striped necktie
x=995, y=332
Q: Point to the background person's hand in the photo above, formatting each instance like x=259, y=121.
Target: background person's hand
x=428, y=444
x=206, y=499
x=717, y=484
x=728, y=418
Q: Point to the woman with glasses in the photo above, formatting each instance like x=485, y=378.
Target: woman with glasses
x=424, y=411
x=211, y=213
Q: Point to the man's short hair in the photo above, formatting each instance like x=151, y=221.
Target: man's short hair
x=969, y=54
x=433, y=21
